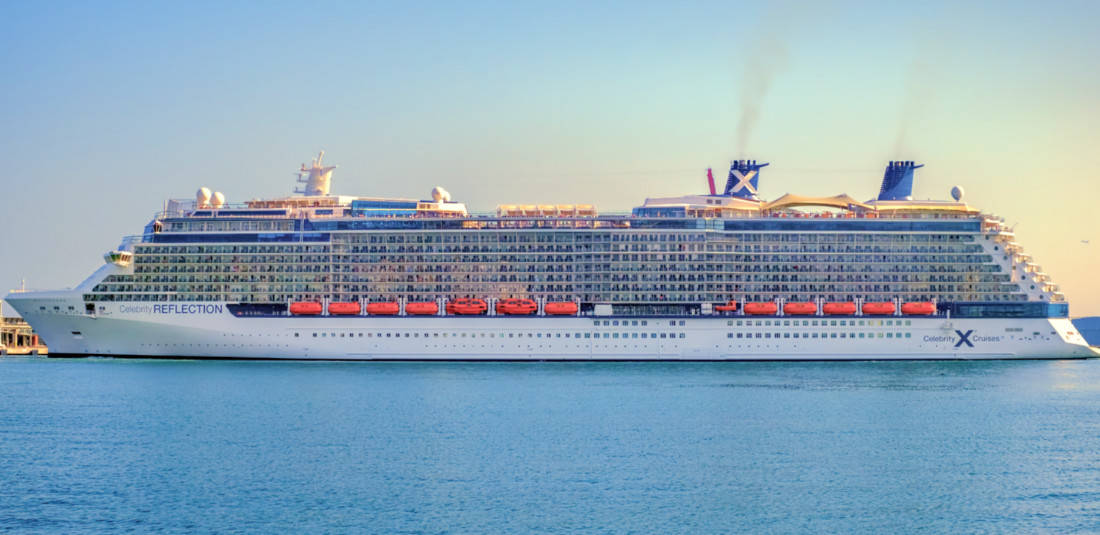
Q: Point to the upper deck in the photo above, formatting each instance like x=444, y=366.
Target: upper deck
x=737, y=208
x=671, y=251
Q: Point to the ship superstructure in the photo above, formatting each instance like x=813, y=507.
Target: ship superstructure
x=713, y=276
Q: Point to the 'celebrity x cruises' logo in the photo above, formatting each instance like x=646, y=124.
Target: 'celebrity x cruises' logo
x=744, y=181
x=964, y=338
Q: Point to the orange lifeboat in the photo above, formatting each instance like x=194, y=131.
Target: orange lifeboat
x=923, y=308
x=516, y=307
x=730, y=306
x=800, y=309
x=761, y=309
x=884, y=308
x=467, y=306
x=424, y=308
x=305, y=308
x=839, y=309
x=561, y=308
x=343, y=309
x=385, y=308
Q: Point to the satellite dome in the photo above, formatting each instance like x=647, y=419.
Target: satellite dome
x=957, y=193
x=203, y=197
x=219, y=200
x=440, y=195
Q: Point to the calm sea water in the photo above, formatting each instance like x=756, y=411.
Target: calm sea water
x=177, y=446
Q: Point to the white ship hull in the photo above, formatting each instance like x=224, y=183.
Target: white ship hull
x=209, y=330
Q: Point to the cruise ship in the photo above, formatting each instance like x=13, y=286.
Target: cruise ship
x=722, y=275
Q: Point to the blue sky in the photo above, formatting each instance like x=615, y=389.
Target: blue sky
x=109, y=108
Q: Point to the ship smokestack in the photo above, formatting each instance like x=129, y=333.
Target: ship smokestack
x=743, y=179
x=897, y=182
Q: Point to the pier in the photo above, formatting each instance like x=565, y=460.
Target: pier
x=17, y=338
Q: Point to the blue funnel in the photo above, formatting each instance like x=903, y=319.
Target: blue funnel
x=743, y=179
x=897, y=183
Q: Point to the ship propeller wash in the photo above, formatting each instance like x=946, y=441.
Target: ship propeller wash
x=723, y=275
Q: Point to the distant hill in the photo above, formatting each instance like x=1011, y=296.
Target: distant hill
x=1089, y=328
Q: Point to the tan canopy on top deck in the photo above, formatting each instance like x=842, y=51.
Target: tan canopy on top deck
x=922, y=206
x=842, y=201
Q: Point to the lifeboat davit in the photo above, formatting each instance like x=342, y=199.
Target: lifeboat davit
x=730, y=306
x=305, y=308
x=839, y=309
x=516, y=307
x=343, y=309
x=885, y=308
x=467, y=306
x=425, y=308
x=923, y=308
x=761, y=309
x=561, y=308
x=800, y=309
x=385, y=308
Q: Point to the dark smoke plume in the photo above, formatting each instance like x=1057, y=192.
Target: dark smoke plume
x=766, y=58
x=918, y=95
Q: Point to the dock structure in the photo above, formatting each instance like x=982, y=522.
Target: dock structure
x=17, y=338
